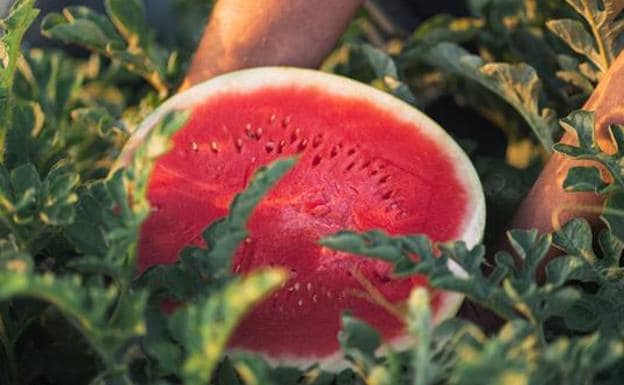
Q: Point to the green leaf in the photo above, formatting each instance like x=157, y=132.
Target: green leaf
x=582, y=123
x=111, y=211
x=242, y=207
x=98, y=119
x=359, y=341
x=492, y=358
x=377, y=244
x=124, y=38
x=611, y=248
x=531, y=248
x=226, y=374
x=372, y=65
x=577, y=79
x=385, y=69
x=617, y=133
x=441, y=28
x=14, y=26
x=87, y=307
x=253, y=370
x=575, y=238
x=613, y=214
x=584, y=179
x=58, y=195
x=573, y=33
x=564, y=268
x=571, y=151
x=571, y=72
x=31, y=207
x=80, y=25
x=204, y=328
x=517, y=84
x=128, y=16
x=399, y=251
x=602, y=18
x=198, y=266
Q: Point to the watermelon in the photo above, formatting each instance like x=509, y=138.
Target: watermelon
x=366, y=161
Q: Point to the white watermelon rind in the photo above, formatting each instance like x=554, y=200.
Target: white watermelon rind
x=250, y=80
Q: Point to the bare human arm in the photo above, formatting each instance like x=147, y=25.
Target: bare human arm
x=251, y=33
x=547, y=206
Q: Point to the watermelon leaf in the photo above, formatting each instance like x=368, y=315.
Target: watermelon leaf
x=385, y=69
x=440, y=28
x=98, y=119
x=359, y=341
x=517, y=84
x=576, y=239
x=605, y=43
x=520, y=295
x=582, y=124
x=87, y=307
x=107, y=316
x=14, y=26
x=613, y=215
x=123, y=36
x=205, y=327
x=31, y=208
x=584, y=179
x=589, y=179
x=573, y=33
x=198, y=267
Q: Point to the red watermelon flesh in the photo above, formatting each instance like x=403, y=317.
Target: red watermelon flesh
x=362, y=165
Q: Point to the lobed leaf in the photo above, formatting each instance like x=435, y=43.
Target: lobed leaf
x=584, y=179
x=205, y=327
x=198, y=268
x=517, y=84
x=14, y=26
x=573, y=33
x=359, y=341
x=123, y=37
x=602, y=18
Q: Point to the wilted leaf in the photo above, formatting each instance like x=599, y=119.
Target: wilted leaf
x=574, y=34
x=517, y=84
x=602, y=18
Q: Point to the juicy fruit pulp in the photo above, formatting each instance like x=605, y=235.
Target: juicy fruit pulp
x=360, y=168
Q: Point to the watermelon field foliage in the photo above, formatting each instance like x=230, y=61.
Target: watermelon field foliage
x=74, y=311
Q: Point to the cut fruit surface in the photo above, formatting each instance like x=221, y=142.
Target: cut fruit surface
x=366, y=161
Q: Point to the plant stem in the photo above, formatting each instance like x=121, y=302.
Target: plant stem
x=8, y=348
x=542, y=336
x=420, y=325
x=603, y=51
x=15, y=231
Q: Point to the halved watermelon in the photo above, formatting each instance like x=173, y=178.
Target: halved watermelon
x=367, y=161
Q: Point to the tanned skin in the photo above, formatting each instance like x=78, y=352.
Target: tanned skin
x=251, y=33
x=547, y=206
